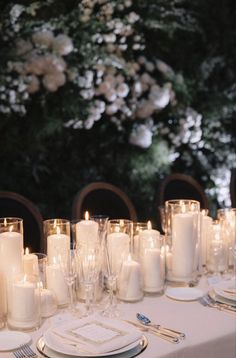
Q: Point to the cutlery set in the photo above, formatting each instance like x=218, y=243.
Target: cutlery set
x=145, y=325
x=25, y=352
x=207, y=301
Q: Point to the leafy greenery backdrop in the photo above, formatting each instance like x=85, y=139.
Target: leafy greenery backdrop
x=57, y=137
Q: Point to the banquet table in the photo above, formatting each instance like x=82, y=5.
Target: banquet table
x=209, y=332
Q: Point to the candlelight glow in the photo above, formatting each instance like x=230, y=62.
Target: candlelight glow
x=27, y=251
x=5, y=222
x=58, y=230
x=149, y=225
x=86, y=215
x=11, y=228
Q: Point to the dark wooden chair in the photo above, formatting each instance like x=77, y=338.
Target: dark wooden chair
x=101, y=198
x=233, y=188
x=15, y=205
x=179, y=186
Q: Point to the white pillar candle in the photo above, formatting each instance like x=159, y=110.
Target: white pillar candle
x=48, y=303
x=30, y=263
x=184, y=240
x=153, y=270
x=86, y=231
x=58, y=245
x=11, y=251
x=130, y=281
x=56, y=282
x=23, y=304
x=118, y=246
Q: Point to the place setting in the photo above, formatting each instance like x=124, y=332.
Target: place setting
x=92, y=336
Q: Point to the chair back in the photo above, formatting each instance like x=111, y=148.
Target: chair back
x=233, y=188
x=101, y=198
x=181, y=186
x=15, y=205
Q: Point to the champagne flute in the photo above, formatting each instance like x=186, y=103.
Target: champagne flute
x=89, y=264
x=68, y=265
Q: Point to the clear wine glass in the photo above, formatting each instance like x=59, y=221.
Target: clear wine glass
x=68, y=265
x=89, y=264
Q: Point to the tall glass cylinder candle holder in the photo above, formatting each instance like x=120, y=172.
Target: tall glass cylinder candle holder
x=217, y=250
x=11, y=251
x=23, y=301
x=138, y=227
x=227, y=219
x=152, y=259
x=57, y=234
x=182, y=240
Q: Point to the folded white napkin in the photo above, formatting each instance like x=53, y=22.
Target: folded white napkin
x=91, y=335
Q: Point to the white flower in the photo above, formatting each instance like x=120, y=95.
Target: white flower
x=145, y=109
x=16, y=11
x=43, y=38
x=141, y=136
x=160, y=97
x=122, y=90
x=62, y=45
x=33, y=84
x=52, y=81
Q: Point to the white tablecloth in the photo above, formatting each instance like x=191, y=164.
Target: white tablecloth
x=209, y=333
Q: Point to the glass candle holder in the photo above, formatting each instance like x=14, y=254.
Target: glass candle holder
x=217, y=250
x=23, y=302
x=129, y=280
x=119, y=237
x=57, y=234
x=227, y=219
x=182, y=240
x=138, y=227
x=11, y=248
x=152, y=258
x=206, y=223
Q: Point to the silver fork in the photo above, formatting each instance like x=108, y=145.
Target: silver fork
x=25, y=352
x=209, y=302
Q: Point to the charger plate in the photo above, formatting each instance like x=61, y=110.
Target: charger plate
x=129, y=353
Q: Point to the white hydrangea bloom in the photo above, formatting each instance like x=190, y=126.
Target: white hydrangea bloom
x=43, y=38
x=141, y=136
x=62, y=45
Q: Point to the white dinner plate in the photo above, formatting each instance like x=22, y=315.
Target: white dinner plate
x=221, y=299
x=91, y=330
x=223, y=289
x=10, y=340
x=184, y=293
x=139, y=347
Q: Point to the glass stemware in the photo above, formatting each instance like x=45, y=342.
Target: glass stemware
x=68, y=265
x=89, y=264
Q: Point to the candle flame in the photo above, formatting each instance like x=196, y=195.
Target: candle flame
x=5, y=222
x=58, y=230
x=149, y=225
x=27, y=251
x=122, y=223
x=183, y=207
x=54, y=260
x=55, y=223
x=117, y=229
x=86, y=215
x=129, y=257
x=11, y=228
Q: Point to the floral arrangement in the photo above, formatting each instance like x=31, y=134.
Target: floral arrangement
x=89, y=64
